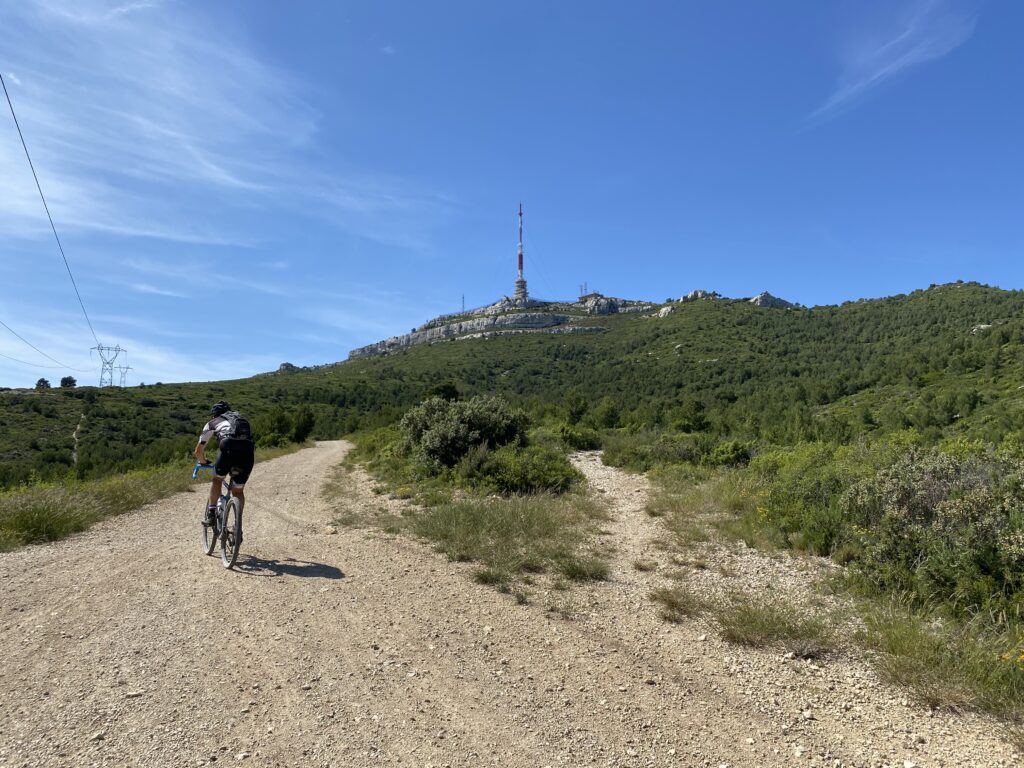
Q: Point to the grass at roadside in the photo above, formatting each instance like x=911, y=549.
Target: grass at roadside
x=51, y=511
x=762, y=623
x=947, y=661
x=511, y=537
x=743, y=621
x=518, y=535
x=679, y=602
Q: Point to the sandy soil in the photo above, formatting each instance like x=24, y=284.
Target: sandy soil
x=126, y=646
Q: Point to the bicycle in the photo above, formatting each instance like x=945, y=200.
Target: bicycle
x=226, y=526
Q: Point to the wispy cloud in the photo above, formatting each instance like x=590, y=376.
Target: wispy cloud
x=188, y=277
x=926, y=31
x=148, y=119
x=147, y=288
x=130, y=7
x=388, y=50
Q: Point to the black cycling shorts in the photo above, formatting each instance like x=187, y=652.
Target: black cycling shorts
x=236, y=458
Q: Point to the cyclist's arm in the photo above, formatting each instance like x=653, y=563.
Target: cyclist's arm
x=200, y=451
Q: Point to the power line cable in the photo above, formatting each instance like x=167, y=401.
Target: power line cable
x=47, y=208
x=36, y=365
x=37, y=349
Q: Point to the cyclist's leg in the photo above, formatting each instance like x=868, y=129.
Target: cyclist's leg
x=215, y=490
x=243, y=457
x=221, y=469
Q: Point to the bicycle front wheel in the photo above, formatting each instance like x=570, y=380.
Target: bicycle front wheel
x=231, y=536
x=210, y=535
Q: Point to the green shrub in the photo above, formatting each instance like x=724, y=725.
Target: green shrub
x=641, y=451
x=533, y=469
x=272, y=440
x=579, y=438
x=302, y=426
x=443, y=431
x=803, y=486
x=728, y=453
x=943, y=527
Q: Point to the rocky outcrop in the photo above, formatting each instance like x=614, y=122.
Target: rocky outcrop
x=666, y=311
x=765, y=299
x=489, y=324
x=596, y=304
x=578, y=329
x=563, y=329
x=503, y=306
x=698, y=294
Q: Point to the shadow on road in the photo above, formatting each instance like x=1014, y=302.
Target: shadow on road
x=257, y=566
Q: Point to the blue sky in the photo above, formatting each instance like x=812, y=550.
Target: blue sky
x=239, y=184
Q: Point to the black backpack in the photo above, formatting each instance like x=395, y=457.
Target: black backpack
x=240, y=429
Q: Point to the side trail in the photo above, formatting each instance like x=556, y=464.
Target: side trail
x=126, y=646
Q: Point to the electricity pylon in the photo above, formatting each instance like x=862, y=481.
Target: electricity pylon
x=108, y=355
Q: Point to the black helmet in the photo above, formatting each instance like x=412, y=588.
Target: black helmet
x=219, y=408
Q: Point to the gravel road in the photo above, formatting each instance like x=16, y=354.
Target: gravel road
x=126, y=646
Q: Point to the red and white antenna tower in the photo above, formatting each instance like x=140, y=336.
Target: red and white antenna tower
x=521, y=294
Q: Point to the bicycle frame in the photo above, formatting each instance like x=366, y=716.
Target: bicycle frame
x=226, y=483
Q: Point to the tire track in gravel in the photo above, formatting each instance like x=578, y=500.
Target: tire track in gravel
x=126, y=646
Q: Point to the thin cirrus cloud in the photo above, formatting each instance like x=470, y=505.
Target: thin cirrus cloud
x=154, y=290
x=129, y=105
x=926, y=31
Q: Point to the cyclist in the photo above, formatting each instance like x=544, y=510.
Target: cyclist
x=237, y=453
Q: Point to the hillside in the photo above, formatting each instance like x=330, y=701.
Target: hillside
x=943, y=360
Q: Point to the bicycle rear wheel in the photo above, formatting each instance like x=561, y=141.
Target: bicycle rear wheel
x=210, y=535
x=231, y=537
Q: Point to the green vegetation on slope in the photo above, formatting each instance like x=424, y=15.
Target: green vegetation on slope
x=718, y=370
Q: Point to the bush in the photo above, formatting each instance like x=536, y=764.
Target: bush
x=443, y=431
x=303, y=424
x=943, y=529
x=272, y=440
x=579, y=438
x=803, y=486
x=728, y=453
x=641, y=451
x=534, y=469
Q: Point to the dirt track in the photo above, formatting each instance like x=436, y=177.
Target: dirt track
x=126, y=646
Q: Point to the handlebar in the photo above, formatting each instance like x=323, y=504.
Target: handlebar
x=195, y=472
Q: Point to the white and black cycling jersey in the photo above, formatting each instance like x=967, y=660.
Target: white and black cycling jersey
x=219, y=426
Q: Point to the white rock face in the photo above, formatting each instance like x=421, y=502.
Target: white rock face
x=476, y=325
x=596, y=304
x=666, y=311
x=700, y=294
x=765, y=299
